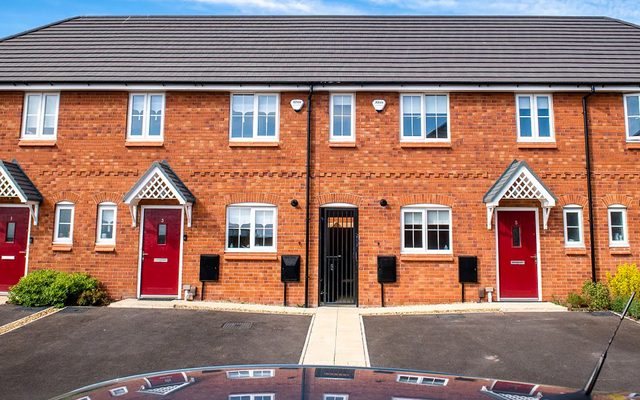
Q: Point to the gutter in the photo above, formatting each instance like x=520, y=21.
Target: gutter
x=307, y=205
x=587, y=154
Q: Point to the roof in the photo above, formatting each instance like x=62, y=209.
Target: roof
x=325, y=49
x=21, y=181
x=507, y=178
x=170, y=177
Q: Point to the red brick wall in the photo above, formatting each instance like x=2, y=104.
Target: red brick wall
x=90, y=163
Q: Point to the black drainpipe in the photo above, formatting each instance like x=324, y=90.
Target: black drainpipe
x=587, y=151
x=307, y=220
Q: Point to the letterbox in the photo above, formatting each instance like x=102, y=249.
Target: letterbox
x=290, y=268
x=386, y=269
x=468, y=269
x=209, y=267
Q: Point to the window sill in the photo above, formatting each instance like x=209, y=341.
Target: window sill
x=36, y=143
x=575, y=251
x=141, y=143
x=254, y=144
x=620, y=251
x=418, y=145
x=342, y=144
x=250, y=256
x=104, y=248
x=426, y=257
x=537, y=145
x=633, y=145
x=61, y=247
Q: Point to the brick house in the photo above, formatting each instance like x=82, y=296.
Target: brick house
x=131, y=146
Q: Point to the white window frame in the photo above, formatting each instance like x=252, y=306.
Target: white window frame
x=423, y=119
x=60, y=206
x=326, y=396
x=352, y=137
x=40, y=127
x=423, y=208
x=145, y=137
x=252, y=248
x=626, y=117
x=623, y=209
x=420, y=379
x=119, y=391
x=251, y=373
x=101, y=208
x=573, y=208
x=533, y=98
x=252, y=396
x=255, y=137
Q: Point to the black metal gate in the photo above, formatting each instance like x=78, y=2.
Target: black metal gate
x=338, y=256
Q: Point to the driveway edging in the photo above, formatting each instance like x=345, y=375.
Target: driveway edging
x=12, y=326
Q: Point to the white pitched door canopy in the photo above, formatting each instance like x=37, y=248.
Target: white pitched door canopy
x=519, y=182
x=159, y=183
x=15, y=184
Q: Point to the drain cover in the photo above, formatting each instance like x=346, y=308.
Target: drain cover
x=237, y=325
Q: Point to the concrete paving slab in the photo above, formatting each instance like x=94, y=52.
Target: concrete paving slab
x=212, y=305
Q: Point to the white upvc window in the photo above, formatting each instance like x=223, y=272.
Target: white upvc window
x=146, y=117
x=573, y=232
x=424, y=117
x=535, y=118
x=254, y=117
x=632, y=116
x=342, y=117
x=426, y=228
x=251, y=227
x=40, y=116
x=330, y=396
x=251, y=373
x=618, y=226
x=422, y=380
x=252, y=396
x=63, y=228
x=106, y=224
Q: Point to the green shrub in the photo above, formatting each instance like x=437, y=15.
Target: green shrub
x=596, y=295
x=618, y=304
x=51, y=288
x=625, y=281
x=574, y=300
x=94, y=297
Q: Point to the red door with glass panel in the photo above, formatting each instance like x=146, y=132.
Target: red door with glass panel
x=14, y=236
x=162, y=228
x=517, y=255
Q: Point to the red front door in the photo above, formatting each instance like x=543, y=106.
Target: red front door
x=14, y=236
x=161, y=240
x=517, y=251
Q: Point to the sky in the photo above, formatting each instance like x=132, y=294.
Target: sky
x=21, y=15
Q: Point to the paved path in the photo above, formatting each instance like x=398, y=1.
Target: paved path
x=336, y=337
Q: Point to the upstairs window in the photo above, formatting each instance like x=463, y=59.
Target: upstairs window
x=632, y=116
x=535, y=118
x=251, y=227
x=63, y=229
x=342, y=118
x=426, y=229
x=424, y=117
x=40, y=116
x=618, y=226
x=106, y=233
x=573, y=233
x=254, y=117
x=146, y=116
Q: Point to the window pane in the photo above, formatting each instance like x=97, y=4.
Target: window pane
x=572, y=218
x=524, y=106
x=33, y=109
x=64, y=231
x=137, y=114
x=266, y=115
x=242, y=116
x=162, y=234
x=411, y=116
x=64, y=215
x=633, y=106
x=155, y=115
x=573, y=234
x=515, y=236
x=264, y=228
x=616, y=218
x=543, y=106
x=11, y=232
x=525, y=126
x=544, y=127
x=617, y=233
x=50, y=111
x=443, y=242
x=413, y=230
x=634, y=126
x=106, y=224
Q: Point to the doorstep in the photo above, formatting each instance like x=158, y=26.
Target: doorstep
x=511, y=306
x=3, y=300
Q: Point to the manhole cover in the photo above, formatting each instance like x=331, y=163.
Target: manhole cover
x=237, y=325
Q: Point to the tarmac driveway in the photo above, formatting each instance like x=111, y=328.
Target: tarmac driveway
x=550, y=348
x=79, y=346
x=10, y=312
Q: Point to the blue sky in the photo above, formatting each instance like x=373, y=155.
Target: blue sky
x=20, y=15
